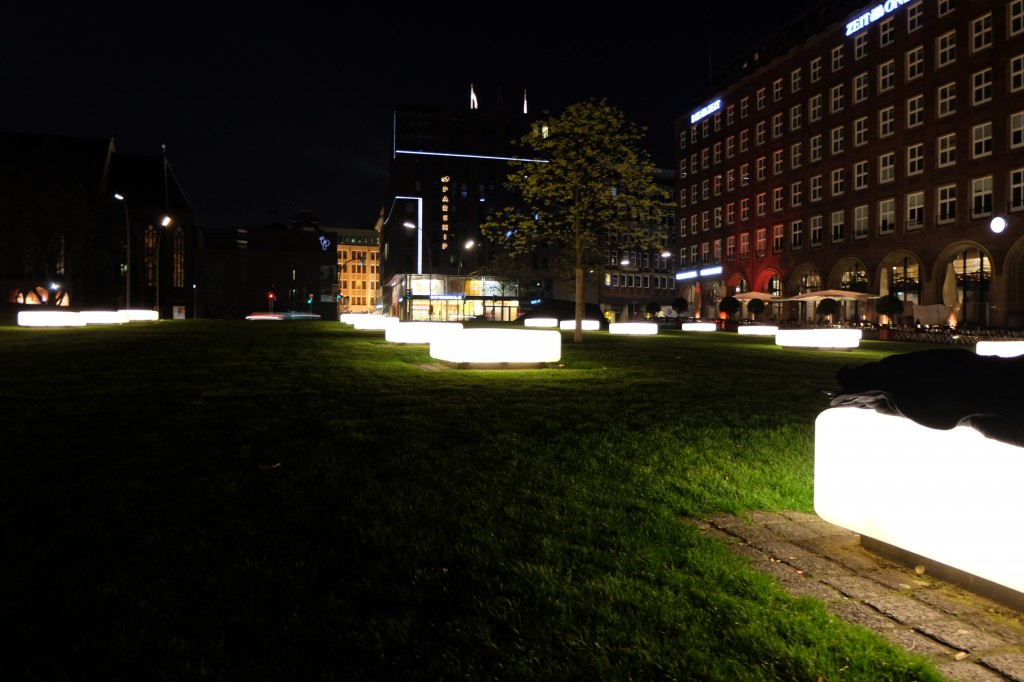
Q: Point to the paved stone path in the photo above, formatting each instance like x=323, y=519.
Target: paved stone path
x=968, y=637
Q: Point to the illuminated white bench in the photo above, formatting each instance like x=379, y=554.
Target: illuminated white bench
x=540, y=322
x=104, y=316
x=698, y=326
x=498, y=348
x=140, y=315
x=818, y=338
x=585, y=325
x=50, y=318
x=419, y=332
x=948, y=500
x=758, y=329
x=1004, y=349
x=374, y=321
x=634, y=328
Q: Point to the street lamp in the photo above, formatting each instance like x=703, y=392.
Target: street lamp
x=164, y=222
x=409, y=225
x=128, y=254
x=458, y=274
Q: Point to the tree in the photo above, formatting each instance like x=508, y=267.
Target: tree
x=680, y=305
x=509, y=273
x=730, y=305
x=889, y=305
x=585, y=183
x=827, y=307
x=652, y=308
x=756, y=306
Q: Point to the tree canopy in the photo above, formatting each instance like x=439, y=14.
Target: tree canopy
x=581, y=182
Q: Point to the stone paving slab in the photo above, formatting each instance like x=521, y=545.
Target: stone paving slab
x=968, y=637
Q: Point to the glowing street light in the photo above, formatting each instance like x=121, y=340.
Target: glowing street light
x=165, y=222
x=128, y=254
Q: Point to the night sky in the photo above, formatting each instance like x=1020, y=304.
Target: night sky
x=268, y=111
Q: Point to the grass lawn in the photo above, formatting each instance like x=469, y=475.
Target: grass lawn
x=232, y=500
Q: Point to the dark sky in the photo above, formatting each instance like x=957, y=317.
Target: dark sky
x=282, y=109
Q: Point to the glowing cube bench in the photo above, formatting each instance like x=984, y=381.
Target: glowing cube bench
x=540, y=322
x=369, y=321
x=585, y=325
x=1004, y=349
x=842, y=339
x=948, y=500
x=758, y=329
x=419, y=332
x=498, y=348
x=634, y=328
x=698, y=326
x=50, y=318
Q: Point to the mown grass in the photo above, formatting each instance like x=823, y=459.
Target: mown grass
x=228, y=500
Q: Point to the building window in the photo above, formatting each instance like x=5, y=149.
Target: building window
x=860, y=222
x=716, y=155
x=694, y=255
x=717, y=216
x=795, y=77
x=915, y=62
x=730, y=213
x=947, y=99
x=981, y=33
x=716, y=250
x=981, y=196
x=762, y=203
x=945, y=49
x=860, y=88
x=744, y=174
x=730, y=180
x=914, y=17
x=776, y=89
x=762, y=98
x=816, y=69
x=704, y=158
x=744, y=246
x=730, y=146
x=915, y=211
x=981, y=90
x=761, y=241
x=981, y=135
x=762, y=168
x=1017, y=129
x=836, y=94
x=744, y=140
x=945, y=7
x=915, y=111
x=860, y=46
x=778, y=125
x=887, y=168
x=1017, y=73
x=730, y=248
x=796, y=113
x=816, y=148
x=815, y=188
x=796, y=193
x=837, y=140
x=744, y=107
x=814, y=108
x=838, y=225
x=778, y=238
x=887, y=76
x=796, y=235
x=945, y=197
x=718, y=185
x=705, y=221
x=730, y=114
x=860, y=131
x=777, y=199
x=1014, y=17
x=705, y=190
x=778, y=162
x=886, y=216
x=796, y=154
x=694, y=223
x=837, y=58
x=838, y=181
x=887, y=122
x=761, y=133
x=694, y=163
x=1016, y=189
x=886, y=32
x=860, y=174
x=946, y=150
x=816, y=230
x=915, y=159
x=744, y=209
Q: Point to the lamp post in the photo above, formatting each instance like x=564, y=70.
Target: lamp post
x=419, y=228
x=409, y=225
x=128, y=253
x=458, y=275
x=164, y=222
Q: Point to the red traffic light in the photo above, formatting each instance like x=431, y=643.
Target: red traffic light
x=270, y=295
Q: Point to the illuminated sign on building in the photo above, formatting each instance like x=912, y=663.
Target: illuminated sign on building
x=708, y=109
x=703, y=272
x=445, y=205
x=873, y=14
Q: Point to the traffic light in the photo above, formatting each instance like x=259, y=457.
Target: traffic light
x=309, y=298
x=270, y=295
x=362, y=261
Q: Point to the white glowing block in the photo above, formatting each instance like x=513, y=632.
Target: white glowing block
x=498, y=347
x=374, y=322
x=585, y=325
x=349, y=318
x=139, y=315
x=951, y=496
x=818, y=338
x=633, y=328
x=265, y=316
x=50, y=318
x=698, y=326
x=104, y=317
x=1004, y=349
x=540, y=322
x=419, y=332
x=758, y=329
